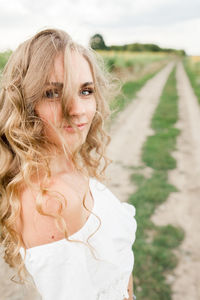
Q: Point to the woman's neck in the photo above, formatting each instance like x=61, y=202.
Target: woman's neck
x=59, y=164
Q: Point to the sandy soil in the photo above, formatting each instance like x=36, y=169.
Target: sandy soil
x=128, y=135
x=183, y=208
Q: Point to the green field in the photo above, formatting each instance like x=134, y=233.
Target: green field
x=138, y=60
x=133, y=65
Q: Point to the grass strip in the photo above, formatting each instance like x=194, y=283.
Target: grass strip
x=154, y=258
x=193, y=72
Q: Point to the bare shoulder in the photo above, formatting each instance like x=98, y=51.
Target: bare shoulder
x=37, y=228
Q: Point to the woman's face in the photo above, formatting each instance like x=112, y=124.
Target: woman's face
x=82, y=106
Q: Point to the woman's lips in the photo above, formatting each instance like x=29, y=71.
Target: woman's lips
x=80, y=127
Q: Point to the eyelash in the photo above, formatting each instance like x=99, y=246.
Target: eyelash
x=90, y=90
x=52, y=94
x=55, y=94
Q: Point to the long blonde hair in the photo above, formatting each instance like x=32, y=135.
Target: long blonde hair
x=23, y=147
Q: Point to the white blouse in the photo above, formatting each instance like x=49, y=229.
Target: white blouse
x=64, y=270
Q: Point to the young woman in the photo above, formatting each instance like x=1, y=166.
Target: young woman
x=59, y=222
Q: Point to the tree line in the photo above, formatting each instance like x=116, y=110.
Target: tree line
x=97, y=42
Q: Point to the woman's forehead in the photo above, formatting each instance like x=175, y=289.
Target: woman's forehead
x=77, y=66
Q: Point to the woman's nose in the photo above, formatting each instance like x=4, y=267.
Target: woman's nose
x=77, y=106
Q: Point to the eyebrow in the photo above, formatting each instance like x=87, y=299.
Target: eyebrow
x=60, y=84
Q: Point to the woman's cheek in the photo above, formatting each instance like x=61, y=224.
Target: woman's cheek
x=49, y=112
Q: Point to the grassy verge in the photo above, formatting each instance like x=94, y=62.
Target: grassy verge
x=129, y=90
x=153, y=247
x=192, y=67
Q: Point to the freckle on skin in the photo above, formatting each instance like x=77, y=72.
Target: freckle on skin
x=52, y=236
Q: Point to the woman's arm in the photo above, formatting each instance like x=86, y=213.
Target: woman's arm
x=130, y=288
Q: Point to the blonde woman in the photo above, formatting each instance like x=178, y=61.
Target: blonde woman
x=59, y=222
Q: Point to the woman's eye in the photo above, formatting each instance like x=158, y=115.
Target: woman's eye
x=87, y=92
x=51, y=94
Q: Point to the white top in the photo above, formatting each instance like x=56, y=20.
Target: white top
x=64, y=270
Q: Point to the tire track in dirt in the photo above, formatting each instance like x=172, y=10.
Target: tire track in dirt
x=130, y=131
x=182, y=208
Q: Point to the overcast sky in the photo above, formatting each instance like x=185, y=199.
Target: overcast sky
x=168, y=23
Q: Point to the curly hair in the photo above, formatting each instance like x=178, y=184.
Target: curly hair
x=24, y=149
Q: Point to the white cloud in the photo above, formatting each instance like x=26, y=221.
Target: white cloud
x=119, y=21
x=11, y=7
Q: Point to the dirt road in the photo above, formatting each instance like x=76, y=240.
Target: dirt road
x=183, y=208
x=130, y=132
